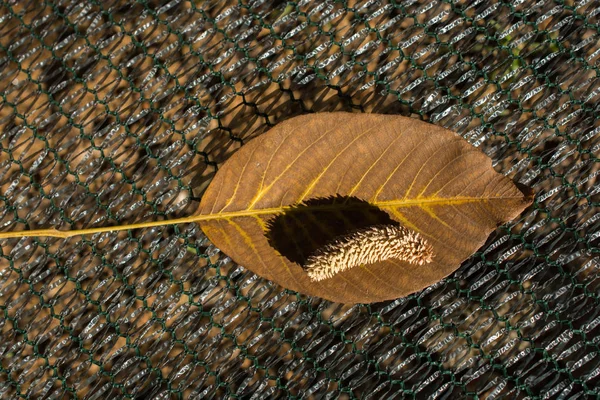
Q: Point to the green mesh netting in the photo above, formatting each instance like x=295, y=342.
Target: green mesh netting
x=121, y=111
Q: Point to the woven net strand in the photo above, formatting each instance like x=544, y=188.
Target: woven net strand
x=115, y=112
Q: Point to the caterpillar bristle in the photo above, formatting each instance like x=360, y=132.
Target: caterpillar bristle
x=368, y=246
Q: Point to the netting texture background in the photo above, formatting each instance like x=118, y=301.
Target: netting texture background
x=116, y=112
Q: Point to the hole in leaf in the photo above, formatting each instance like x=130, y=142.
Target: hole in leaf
x=301, y=230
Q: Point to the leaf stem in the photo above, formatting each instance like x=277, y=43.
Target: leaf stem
x=89, y=231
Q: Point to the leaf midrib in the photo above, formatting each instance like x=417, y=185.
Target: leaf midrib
x=403, y=203
x=392, y=204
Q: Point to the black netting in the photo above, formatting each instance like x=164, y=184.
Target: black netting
x=117, y=112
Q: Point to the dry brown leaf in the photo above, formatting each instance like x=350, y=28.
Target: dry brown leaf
x=317, y=177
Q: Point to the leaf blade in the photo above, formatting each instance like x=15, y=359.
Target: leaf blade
x=422, y=176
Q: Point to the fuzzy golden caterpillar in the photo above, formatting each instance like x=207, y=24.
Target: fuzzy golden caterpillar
x=367, y=246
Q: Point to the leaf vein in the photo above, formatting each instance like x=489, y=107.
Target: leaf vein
x=318, y=178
